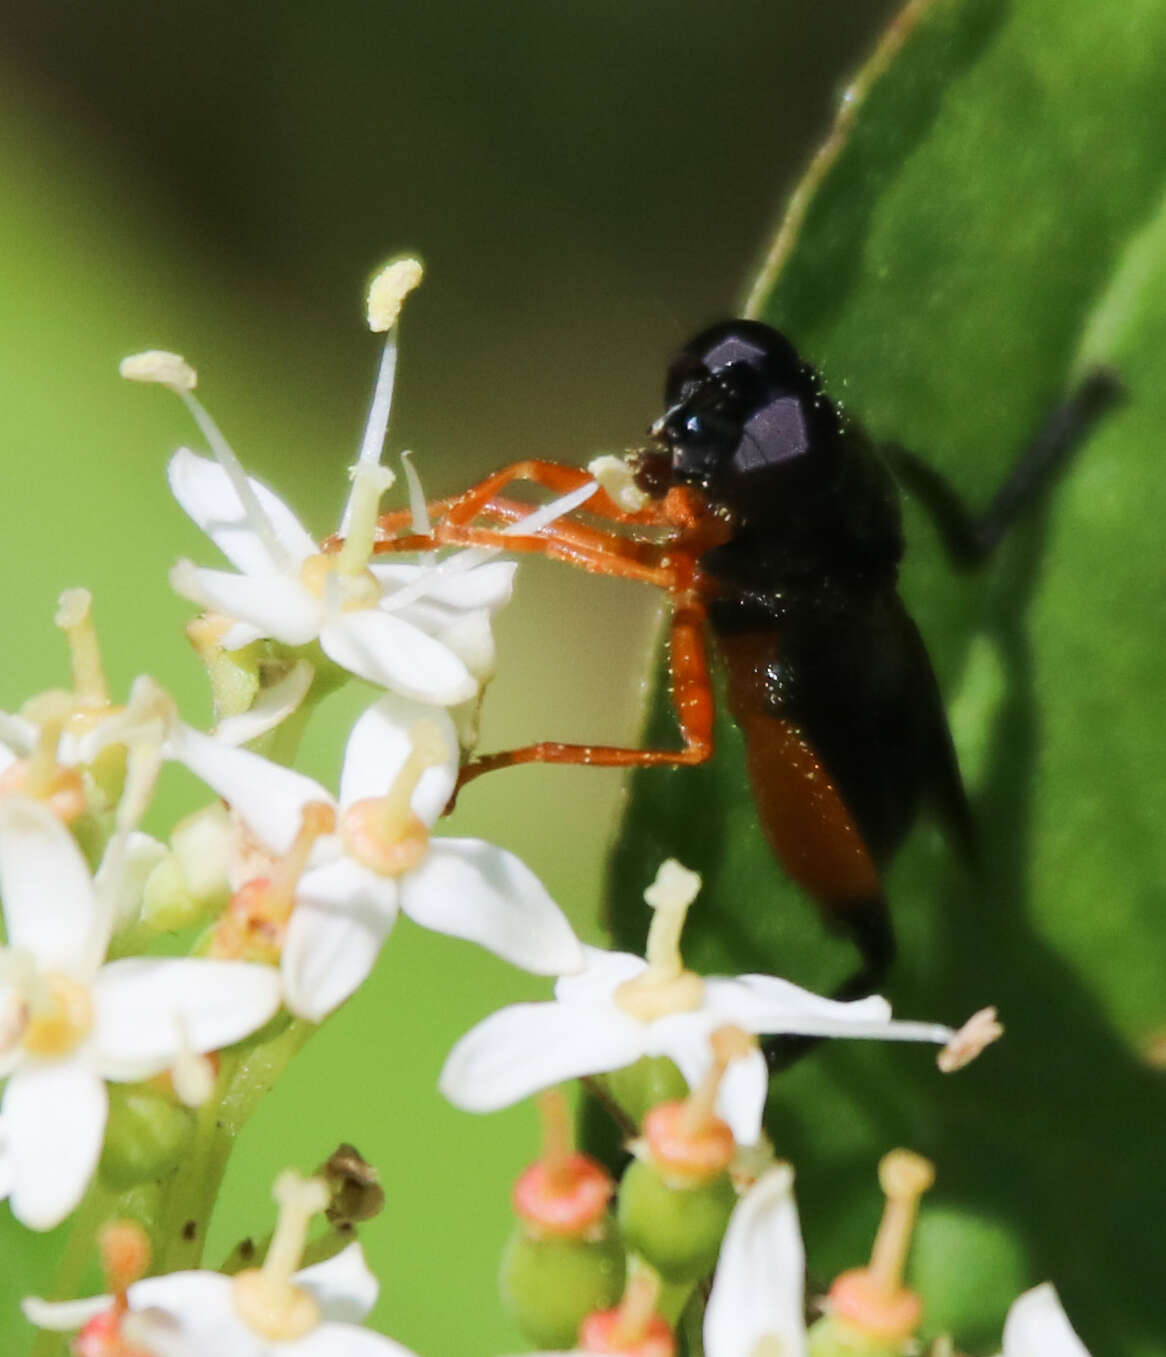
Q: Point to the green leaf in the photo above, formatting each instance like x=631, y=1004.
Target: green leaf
x=989, y=220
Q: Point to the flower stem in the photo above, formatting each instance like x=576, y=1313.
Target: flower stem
x=79, y=1255
x=244, y=1078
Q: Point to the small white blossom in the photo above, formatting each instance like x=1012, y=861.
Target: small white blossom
x=68, y=1022
x=758, y=1293
x=622, y=1008
x=1037, y=1326
x=193, y=1314
x=382, y=860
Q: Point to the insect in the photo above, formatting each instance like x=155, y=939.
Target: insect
x=777, y=528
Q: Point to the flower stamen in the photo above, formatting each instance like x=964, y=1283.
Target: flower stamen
x=173, y=372
x=253, y=924
x=266, y=1298
x=74, y=616
x=667, y=986
x=382, y=831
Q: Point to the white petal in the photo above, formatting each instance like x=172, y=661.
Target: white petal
x=55, y=1116
x=344, y=1340
x=142, y=854
x=342, y=917
x=395, y=654
x=764, y=1003
x=240, y=634
x=268, y=797
x=343, y=1285
x=527, y=1047
x=486, y=586
x=603, y=972
x=205, y=491
x=1037, y=1326
x=195, y=1315
x=741, y=1097
x=148, y=1009
x=379, y=745
x=472, y=890
x=63, y=1316
x=272, y=707
x=275, y=605
x=18, y=738
x=50, y=906
x=758, y=1291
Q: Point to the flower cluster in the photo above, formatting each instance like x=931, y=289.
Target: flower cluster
x=125, y=1064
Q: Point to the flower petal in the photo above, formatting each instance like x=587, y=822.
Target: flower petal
x=277, y=605
x=759, y=1288
x=603, y=972
x=205, y=491
x=63, y=1316
x=50, y=906
x=344, y=1340
x=393, y=653
x=147, y=1010
x=380, y=743
x=1037, y=1326
x=343, y=1285
x=485, y=586
x=55, y=1118
x=194, y=1313
x=765, y=1003
x=272, y=707
x=527, y=1047
x=342, y=917
x=472, y=890
x=268, y=797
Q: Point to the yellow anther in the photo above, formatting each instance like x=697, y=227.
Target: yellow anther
x=388, y=290
x=156, y=365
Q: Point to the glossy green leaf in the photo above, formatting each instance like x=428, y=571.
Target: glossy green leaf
x=991, y=223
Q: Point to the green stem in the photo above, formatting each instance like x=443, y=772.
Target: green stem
x=245, y=1077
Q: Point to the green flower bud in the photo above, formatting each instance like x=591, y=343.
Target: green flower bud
x=678, y=1229
x=550, y=1285
x=190, y=884
x=147, y=1134
x=650, y=1081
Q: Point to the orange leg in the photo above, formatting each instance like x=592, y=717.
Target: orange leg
x=691, y=695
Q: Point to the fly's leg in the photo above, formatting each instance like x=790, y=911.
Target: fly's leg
x=971, y=538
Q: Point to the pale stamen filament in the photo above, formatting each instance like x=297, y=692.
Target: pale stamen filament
x=558, y=1142
x=370, y=480
x=74, y=616
x=299, y=1199
x=638, y=1305
x=904, y=1177
x=428, y=751
x=266, y=1298
x=729, y=1043
x=248, y=499
x=316, y=819
x=50, y=712
x=475, y=556
x=670, y=895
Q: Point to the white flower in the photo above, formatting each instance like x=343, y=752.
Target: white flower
x=68, y=1023
x=193, y=1314
x=622, y=1008
x=400, y=768
x=286, y=589
x=758, y=1293
x=1037, y=1326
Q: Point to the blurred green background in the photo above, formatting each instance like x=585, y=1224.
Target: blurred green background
x=588, y=183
